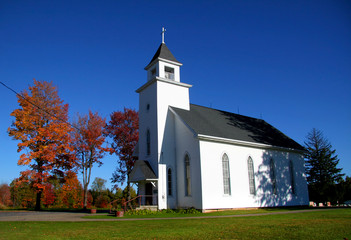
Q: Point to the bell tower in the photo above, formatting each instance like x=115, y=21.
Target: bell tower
x=163, y=64
x=162, y=90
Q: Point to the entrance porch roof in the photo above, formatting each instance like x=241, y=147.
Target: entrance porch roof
x=142, y=171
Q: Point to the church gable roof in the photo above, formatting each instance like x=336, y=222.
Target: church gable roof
x=222, y=124
x=164, y=53
x=142, y=171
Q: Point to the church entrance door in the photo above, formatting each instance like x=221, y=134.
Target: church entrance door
x=148, y=193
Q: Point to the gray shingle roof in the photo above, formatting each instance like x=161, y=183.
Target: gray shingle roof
x=145, y=171
x=165, y=53
x=217, y=123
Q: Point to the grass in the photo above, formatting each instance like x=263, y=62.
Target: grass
x=330, y=224
x=198, y=214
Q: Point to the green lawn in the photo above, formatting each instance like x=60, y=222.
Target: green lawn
x=197, y=214
x=331, y=224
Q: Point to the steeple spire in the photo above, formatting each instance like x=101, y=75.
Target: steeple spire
x=163, y=65
x=163, y=34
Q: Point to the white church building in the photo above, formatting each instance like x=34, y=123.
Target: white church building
x=195, y=156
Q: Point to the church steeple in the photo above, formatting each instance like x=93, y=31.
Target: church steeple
x=163, y=34
x=161, y=91
x=163, y=53
x=163, y=64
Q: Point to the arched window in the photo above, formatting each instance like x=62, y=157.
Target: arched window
x=273, y=177
x=169, y=181
x=226, y=174
x=250, y=169
x=187, y=175
x=292, y=176
x=148, y=148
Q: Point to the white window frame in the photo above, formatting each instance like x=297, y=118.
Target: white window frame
x=148, y=142
x=273, y=176
x=169, y=182
x=292, y=177
x=251, y=174
x=187, y=175
x=169, y=73
x=226, y=174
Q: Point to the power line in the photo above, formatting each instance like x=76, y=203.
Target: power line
x=52, y=115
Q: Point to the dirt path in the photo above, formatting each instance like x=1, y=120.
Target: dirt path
x=11, y=216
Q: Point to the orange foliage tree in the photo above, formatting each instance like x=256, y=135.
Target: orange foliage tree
x=48, y=195
x=40, y=126
x=88, y=144
x=5, y=195
x=72, y=191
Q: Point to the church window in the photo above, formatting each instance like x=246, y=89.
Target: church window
x=153, y=72
x=169, y=73
x=250, y=168
x=292, y=176
x=273, y=176
x=226, y=174
x=169, y=181
x=148, y=148
x=148, y=107
x=187, y=175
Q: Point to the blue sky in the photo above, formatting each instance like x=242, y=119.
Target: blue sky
x=288, y=62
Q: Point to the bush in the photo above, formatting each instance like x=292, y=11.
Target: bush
x=144, y=212
x=102, y=201
x=2, y=206
x=133, y=212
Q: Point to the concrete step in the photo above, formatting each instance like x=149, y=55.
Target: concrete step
x=149, y=207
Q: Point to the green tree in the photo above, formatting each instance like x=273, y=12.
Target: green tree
x=321, y=167
x=99, y=193
x=344, y=189
x=98, y=185
x=22, y=193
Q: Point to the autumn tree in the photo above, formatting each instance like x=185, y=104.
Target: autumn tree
x=48, y=195
x=40, y=126
x=321, y=166
x=71, y=190
x=53, y=190
x=22, y=193
x=123, y=128
x=5, y=195
x=88, y=144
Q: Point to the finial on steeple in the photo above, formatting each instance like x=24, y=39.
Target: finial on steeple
x=163, y=34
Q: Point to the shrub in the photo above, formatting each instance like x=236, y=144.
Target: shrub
x=134, y=212
x=2, y=206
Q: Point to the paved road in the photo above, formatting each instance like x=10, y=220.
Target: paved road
x=77, y=217
x=41, y=216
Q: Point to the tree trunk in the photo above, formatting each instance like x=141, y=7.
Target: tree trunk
x=85, y=197
x=86, y=180
x=38, y=201
x=128, y=188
